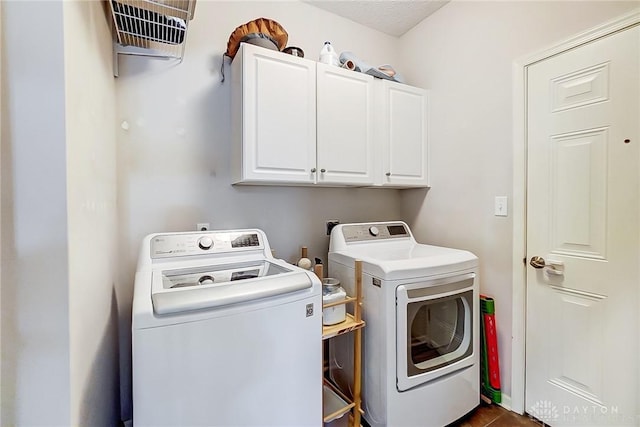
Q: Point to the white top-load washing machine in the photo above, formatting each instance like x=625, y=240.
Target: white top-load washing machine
x=224, y=334
x=421, y=339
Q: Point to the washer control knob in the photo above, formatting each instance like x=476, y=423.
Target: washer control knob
x=205, y=243
x=373, y=230
x=206, y=280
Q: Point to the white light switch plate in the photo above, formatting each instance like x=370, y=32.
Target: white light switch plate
x=501, y=206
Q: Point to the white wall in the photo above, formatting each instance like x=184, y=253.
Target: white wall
x=59, y=319
x=91, y=214
x=173, y=164
x=35, y=298
x=1, y=109
x=464, y=54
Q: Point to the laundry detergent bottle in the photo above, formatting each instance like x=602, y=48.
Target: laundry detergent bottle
x=328, y=55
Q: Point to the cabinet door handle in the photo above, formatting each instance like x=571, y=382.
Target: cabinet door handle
x=388, y=173
x=323, y=170
x=313, y=170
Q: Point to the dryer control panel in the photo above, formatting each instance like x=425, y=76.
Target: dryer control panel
x=374, y=231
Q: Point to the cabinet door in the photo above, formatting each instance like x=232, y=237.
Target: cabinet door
x=344, y=126
x=278, y=116
x=405, y=149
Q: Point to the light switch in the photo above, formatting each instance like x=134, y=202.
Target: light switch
x=501, y=206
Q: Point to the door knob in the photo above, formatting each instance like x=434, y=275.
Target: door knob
x=537, y=262
x=552, y=267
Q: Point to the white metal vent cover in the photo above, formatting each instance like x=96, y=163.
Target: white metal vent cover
x=151, y=27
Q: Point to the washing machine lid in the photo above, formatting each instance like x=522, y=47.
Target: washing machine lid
x=405, y=260
x=206, y=286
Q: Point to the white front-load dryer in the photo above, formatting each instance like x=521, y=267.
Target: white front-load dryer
x=421, y=339
x=224, y=334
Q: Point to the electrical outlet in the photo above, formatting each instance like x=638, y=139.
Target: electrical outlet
x=202, y=226
x=330, y=224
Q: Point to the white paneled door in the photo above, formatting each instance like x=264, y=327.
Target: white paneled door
x=404, y=135
x=277, y=117
x=583, y=202
x=344, y=129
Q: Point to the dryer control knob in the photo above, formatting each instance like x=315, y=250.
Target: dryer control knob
x=205, y=243
x=374, y=230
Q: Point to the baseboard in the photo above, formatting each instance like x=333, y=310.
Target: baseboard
x=506, y=402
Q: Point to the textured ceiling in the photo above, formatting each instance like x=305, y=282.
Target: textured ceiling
x=389, y=16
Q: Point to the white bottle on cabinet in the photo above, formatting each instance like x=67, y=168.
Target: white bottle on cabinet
x=328, y=55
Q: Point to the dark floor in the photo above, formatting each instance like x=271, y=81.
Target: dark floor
x=496, y=416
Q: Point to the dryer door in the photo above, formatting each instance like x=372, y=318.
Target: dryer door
x=434, y=323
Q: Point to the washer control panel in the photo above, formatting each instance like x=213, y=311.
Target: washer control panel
x=378, y=231
x=199, y=243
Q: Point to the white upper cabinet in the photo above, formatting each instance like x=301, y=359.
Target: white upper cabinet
x=344, y=126
x=402, y=129
x=298, y=122
x=273, y=117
